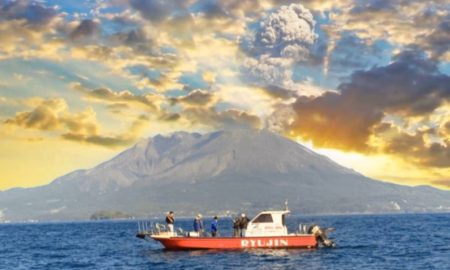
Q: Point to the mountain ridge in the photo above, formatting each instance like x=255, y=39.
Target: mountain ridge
x=219, y=171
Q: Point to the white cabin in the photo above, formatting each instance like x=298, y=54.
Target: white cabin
x=268, y=223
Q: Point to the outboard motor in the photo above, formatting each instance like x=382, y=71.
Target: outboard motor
x=321, y=235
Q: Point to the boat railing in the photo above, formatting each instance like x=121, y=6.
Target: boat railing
x=303, y=228
x=148, y=228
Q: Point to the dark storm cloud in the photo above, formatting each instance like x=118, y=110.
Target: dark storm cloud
x=438, y=42
x=410, y=86
x=157, y=10
x=137, y=39
x=34, y=13
x=86, y=29
x=374, y=6
x=213, y=8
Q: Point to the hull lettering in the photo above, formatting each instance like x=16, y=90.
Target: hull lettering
x=264, y=243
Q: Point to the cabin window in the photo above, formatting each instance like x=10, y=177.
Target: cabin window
x=283, y=220
x=264, y=218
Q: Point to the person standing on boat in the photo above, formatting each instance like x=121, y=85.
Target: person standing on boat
x=243, y=224
x=214, y=227
x=236, y=225
x=198, y=224
x=170, y=219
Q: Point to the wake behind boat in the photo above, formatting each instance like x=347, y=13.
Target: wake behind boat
x=267, y=230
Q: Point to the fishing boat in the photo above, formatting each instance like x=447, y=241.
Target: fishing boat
x=266, y=230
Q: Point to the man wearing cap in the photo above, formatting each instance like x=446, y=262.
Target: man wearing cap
x=198, y=224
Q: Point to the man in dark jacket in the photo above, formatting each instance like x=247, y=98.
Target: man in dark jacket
x=236, y=225
x=170, y=219
x=244, y=220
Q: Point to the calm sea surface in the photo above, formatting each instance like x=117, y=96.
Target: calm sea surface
x=419, y=241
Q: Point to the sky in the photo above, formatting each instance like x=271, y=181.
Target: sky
x=366, y=83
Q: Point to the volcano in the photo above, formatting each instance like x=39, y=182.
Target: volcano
x=218, y=172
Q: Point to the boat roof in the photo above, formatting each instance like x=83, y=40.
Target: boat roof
x=279, y=212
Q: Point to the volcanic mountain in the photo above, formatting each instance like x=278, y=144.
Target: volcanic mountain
x=239, y=170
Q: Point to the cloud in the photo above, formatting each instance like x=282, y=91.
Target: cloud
x=123, y=139
x=416, y=148
x=149, y=102
x=353, y=53
x=411, y=86
x=165, y=82
x=254, y=100
x=209, y=77
x=280, y=119
x=269, y=70
x=231, y=118
x=275, y=74
x=196, y=98
x=285, y=36
x=151, y=107
x=287, y=32
x=26, y=28
x=438, y=41
x=85, y=30
x=157, y=10
x=398, y=22
x=443, y=183
x=33, y=13
x=34, y=30
x=54, y=115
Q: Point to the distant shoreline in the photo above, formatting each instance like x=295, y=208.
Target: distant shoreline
x=184, y=218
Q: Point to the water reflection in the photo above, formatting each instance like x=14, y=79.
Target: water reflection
x=168, y=256
x=279, y=252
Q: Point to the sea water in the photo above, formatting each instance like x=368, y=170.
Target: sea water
x=406, y=241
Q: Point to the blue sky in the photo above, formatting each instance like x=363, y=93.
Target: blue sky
x=365, y=82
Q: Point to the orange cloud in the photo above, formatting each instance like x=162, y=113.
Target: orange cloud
x=411, y=87
x=53, y=115
x=122, y=139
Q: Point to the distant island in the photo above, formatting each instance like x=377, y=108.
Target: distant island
x=105, y=215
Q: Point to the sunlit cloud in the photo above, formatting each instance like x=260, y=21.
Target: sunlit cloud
x=196, y=98
x=53, y=115
x=149, y=102
x=358, y=80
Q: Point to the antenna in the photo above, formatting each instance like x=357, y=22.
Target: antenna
x=286, y=205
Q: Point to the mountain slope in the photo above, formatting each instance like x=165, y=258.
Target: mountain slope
x=225, y=170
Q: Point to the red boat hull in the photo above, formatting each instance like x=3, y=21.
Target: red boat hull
x=291, y=241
